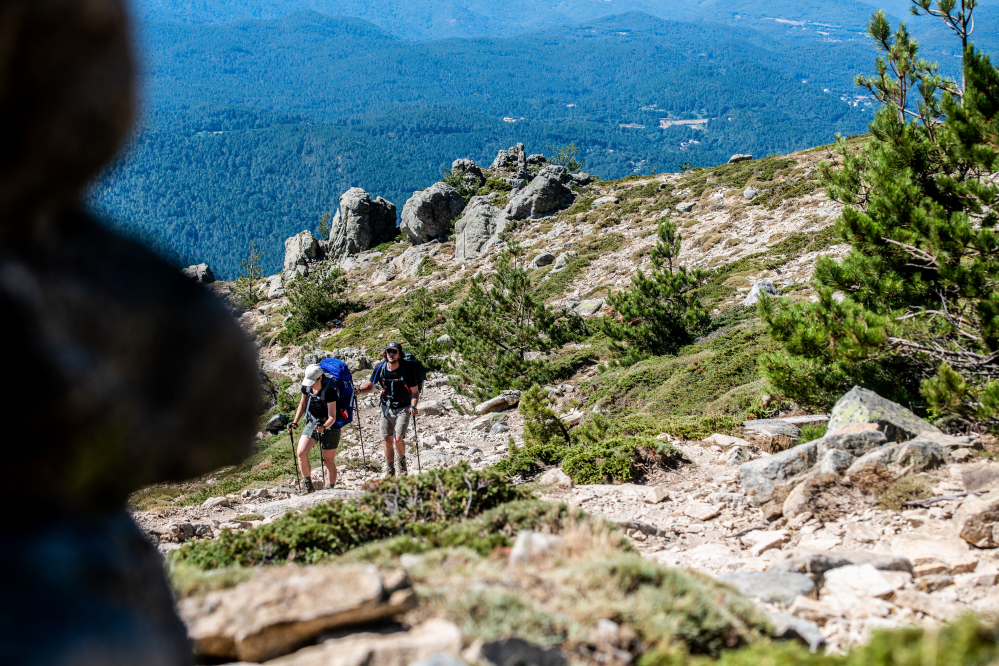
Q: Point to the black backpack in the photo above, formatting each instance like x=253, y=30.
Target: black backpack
x=418, y=368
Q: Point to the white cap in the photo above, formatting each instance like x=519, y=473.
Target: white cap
x=312, y=373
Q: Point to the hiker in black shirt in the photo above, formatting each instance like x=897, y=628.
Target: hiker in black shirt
x=319, y=405
x=400, y=396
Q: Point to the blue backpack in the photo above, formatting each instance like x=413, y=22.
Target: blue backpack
x=336, y=371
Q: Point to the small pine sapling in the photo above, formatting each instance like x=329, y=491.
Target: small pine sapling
x=660, y=312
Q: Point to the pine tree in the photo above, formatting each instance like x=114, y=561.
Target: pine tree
x=916, y=297
x=317, y=299
x=659, y=312
x=503, y=334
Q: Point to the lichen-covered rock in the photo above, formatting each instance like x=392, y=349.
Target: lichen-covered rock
x=512, y=160
x=428, y=214
x=773, y=477
x=360, y=223
x=854, y=443
x=547, y=193
x=862, y=406
x=922, y=454
x=478, y=229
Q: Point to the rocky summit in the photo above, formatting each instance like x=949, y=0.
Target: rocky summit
x=748, y=518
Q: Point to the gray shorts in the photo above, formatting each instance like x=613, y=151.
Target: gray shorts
x=397, y=422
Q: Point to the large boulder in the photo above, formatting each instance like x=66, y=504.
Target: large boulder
x=862, y=406
x=199, y=273
x=513, y=160
x=429, y=213
x=772, y=478
x=281, y=608
x=547, y=193
x=360, y=223
x=761, y=287
x=479, y=228
x=299, y=251
x=469, y=172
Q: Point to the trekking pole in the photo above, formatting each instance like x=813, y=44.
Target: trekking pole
x=322, y=460
x=294, y=461
x=360, y=438
x=416, y=433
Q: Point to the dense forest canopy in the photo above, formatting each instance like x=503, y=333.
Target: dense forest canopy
x=252, y=128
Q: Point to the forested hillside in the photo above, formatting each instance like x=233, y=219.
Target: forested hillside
x=254, y=129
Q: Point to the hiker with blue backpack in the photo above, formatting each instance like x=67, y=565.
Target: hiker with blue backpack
x=400, y=382
x=327, y=405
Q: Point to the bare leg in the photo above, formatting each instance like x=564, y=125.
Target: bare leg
x=400, y=446
x=389, y=452
x=305, y=445
x=329, y=456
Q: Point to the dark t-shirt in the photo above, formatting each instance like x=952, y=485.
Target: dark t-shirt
x=395, y=384
x=317, y=405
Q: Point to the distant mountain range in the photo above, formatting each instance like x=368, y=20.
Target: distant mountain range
x=258, y=115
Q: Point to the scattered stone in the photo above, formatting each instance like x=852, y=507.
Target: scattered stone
x=750, y=193
x=764, y=540
x=770, y=586
x=686, y=206
x=556, y=477
x=434, y=641
x=428, y=214
x=530, y=545
x=798, y=500
x=813, y=610
x=277, y=423
x=215, y=501
x=862, y=580
x=862, y=406
x=199, y=273
x=739, y=158
x=564, y=259
x=499, y=428
x=855, y=443
x=430, y=408
x=656, y=495
x=360, y=224
x=602, y=201
x=282, y=608
x=504, y=401
x=440, y=659
x=921, y=454
x=702, y=512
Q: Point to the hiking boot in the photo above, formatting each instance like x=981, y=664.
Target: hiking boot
x=307, y=485
x=402, y=466
x=389, y=469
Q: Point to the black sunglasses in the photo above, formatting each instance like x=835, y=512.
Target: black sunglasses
x=391, y=351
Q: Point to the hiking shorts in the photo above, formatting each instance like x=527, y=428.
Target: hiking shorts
x=329, y=439
x=395, y=421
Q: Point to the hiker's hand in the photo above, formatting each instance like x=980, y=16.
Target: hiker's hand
x=320, y=429
x=414, y=411
x=292, y=425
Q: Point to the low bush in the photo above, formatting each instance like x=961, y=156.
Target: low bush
x=394, y=506
x=907, y=488
x=619, y=460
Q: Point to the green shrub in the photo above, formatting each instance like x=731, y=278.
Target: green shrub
x=813, y=432
x=907, y=488
x=618, y=460
x=315, y=300
x=394, y=507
